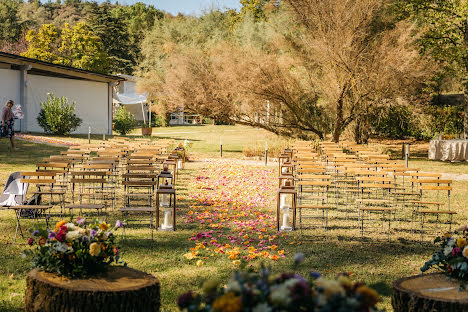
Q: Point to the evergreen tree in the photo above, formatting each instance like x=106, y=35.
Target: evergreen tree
x=113, y=32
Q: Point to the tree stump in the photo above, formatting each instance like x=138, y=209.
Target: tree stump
x=428, y=292
x=120, y=289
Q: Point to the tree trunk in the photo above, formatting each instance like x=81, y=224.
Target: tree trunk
x=338, y=121
x=120, y=289
x=428, y=292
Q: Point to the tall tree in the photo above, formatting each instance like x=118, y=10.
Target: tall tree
x=72, y=46
x=357, y=60
x=81, y=48
x=44, y=43
x=10, y=27
x=114, y=35
x=445, y=26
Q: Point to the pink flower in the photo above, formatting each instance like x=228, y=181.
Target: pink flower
x=456, y=251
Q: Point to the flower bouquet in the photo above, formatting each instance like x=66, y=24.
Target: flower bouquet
x=258, y=292
x=74, y=249
x=451, y=256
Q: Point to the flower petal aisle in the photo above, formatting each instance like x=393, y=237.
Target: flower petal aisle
x=234, y=213
x=44, y=140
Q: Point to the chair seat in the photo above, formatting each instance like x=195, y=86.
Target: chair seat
x=86, y=206
x=31, y=207
x=437, y=212
x=138, y=195
x=377, y=209
x=315, y=207
x=137, y=209
x=371, y=200
x=426, y=202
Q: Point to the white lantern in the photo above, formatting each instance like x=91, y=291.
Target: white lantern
x=285, y=209
x=180, y=163
x=167, y=224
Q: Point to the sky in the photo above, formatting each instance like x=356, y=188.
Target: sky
x=187, y=7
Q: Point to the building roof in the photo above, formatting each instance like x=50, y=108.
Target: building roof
x=38, y=67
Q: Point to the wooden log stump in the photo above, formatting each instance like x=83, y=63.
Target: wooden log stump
x=428, y=292
x=120, y=289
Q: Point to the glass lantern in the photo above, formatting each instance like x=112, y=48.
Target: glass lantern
x=287, y=198
x=166, y=201
x=165, y=177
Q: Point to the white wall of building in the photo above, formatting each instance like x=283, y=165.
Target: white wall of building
x=9, y=88
x=91, y=98
x=91, y=101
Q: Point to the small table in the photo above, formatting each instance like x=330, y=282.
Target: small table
x=35, y=208
x=448, y=150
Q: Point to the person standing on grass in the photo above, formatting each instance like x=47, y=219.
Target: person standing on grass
x=8, y=122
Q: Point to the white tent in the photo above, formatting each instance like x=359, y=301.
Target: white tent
x=126, y=94
x=130, y=100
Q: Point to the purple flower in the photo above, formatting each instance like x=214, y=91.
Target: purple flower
x=80, y=221
x=118, y=224
x=92, y=233
x=31, y=241
x=185, y=300
x=52, y=235
x=35, y=232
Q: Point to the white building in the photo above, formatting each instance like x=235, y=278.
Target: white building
x=28, y=81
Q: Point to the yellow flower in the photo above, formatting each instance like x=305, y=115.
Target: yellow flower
x=227, y=303
x=199, y=263
x=94, y=249
x=104, y=226
x=236, y=262
x=273, y=247
x=190, y=255
x=59, y=224
x=465, y=252
x=461, y=242
x=447, y=235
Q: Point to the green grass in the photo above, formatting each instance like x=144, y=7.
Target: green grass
x=375, y=263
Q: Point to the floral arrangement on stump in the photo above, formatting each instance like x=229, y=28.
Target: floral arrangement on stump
x=259, y=292
x=75, y=249
x=452, y=256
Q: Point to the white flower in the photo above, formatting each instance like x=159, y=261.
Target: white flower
x=62, y=247
x=261, y=307
x=447, y=250
x=291, y=282
x=451, y=243
x=233, y=286
x=73, y=235
x=70, y=226
x=280, y=295
x=330, y=287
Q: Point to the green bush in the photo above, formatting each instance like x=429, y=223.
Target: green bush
x=395, y=122
x=124, y=121
x=157, y=120
x=447, y=119
x=58, y=116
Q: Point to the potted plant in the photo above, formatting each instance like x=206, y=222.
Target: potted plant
x=147, y=129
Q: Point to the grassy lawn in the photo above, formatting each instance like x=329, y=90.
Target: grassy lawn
x=377, y=263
